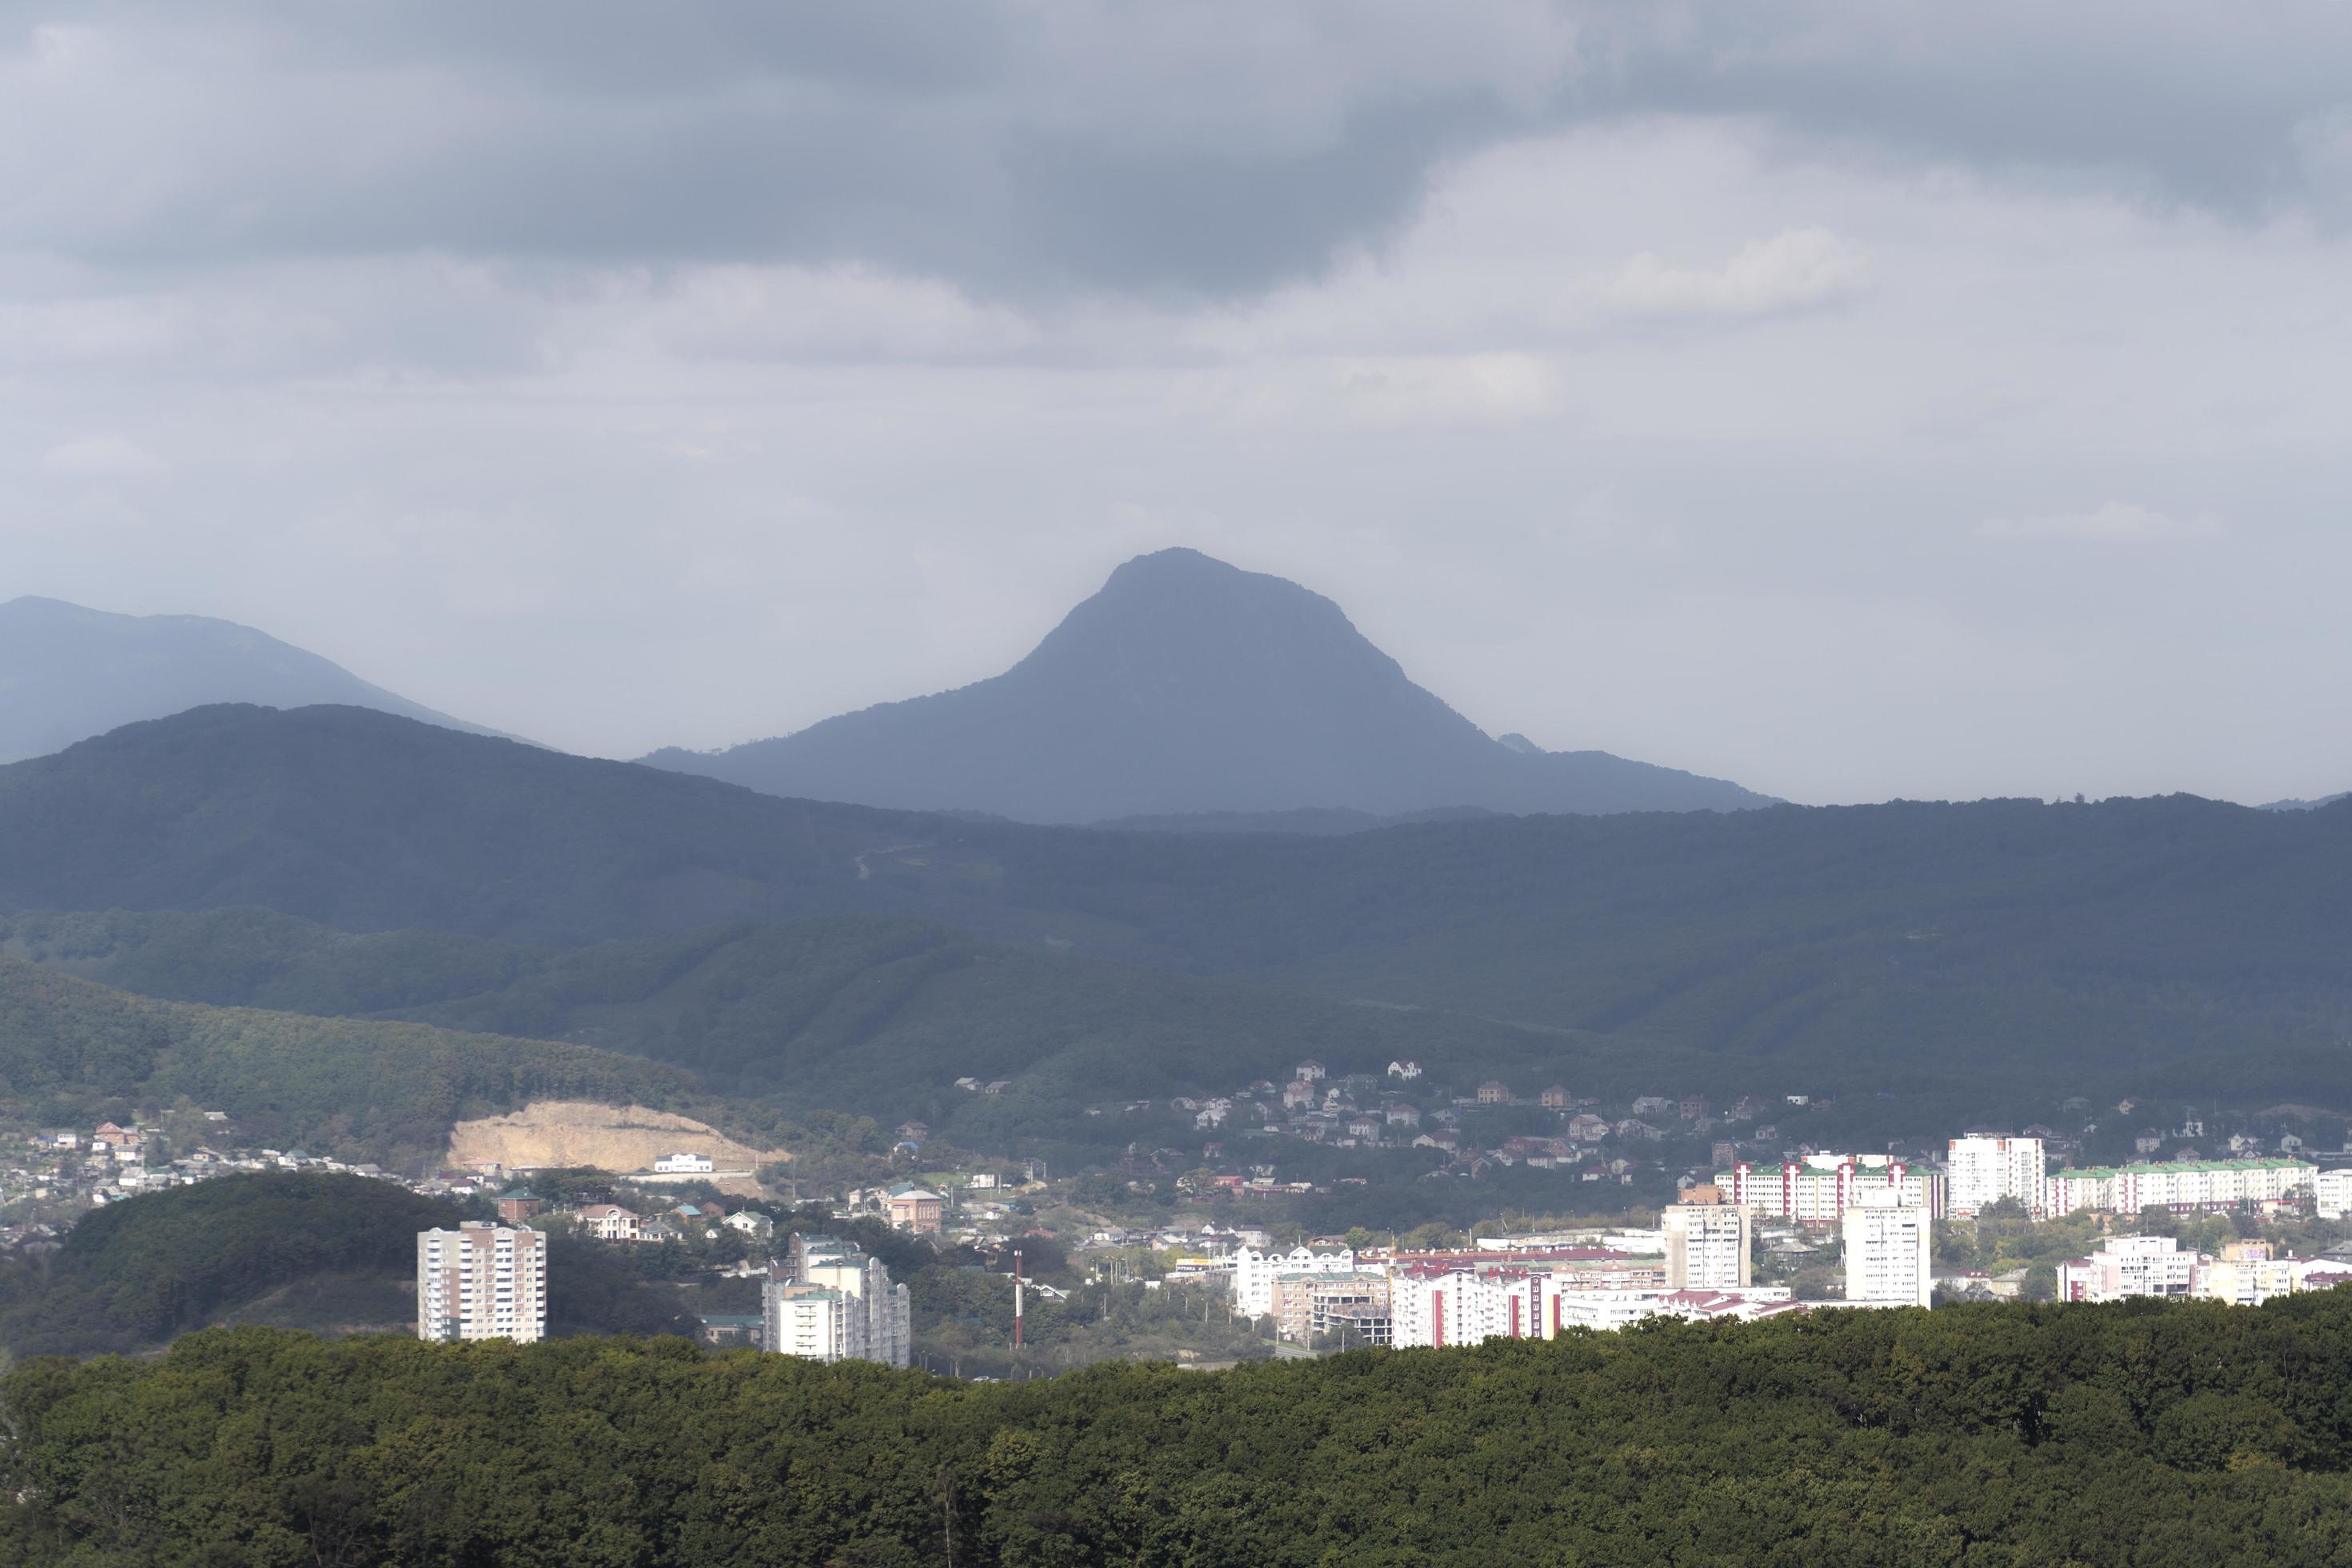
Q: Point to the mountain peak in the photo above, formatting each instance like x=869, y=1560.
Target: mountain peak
x=73, y=672
x=1187, y=685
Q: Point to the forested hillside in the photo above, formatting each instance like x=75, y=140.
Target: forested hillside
x=71, y=1052
x=2172, y=946
x=2140, y=1434
x=878, y=1014
x=135, y=1274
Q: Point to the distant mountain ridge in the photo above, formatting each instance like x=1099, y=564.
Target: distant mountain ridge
x=67, y=673
x=1188, y=686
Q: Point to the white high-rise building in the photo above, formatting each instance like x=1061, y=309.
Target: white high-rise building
x=481, y=1281
x=1707, y=1247
x=1887, y=1257
x=1980, y=1171
x=867, y=1318
x=2334, y=1191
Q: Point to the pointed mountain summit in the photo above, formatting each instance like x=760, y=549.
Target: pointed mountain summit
x=67, y=673
x=1190, y=686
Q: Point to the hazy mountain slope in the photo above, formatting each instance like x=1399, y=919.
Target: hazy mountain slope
x=369, y=822
x=67, y=673
x=1188, y=686
x=366, y=1089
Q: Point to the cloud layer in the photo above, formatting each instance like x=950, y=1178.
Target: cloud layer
x=1748, y=389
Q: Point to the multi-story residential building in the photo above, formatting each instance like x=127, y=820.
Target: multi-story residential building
x=877, y=1317
x=1609, y=1310
x=810, y=1322
x=1819, y=1188
x=481, y=1281
x=2180, y=1186
x=1887, y=1257
x=2129, y=1266
x=1707, y=1247
x=2247, y=1275
x=1980, y=1171
x=1255, y=1272
x=1304, y=1304
x=2333, y=1189
x=1433, y=1305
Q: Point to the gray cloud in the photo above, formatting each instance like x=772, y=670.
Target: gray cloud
x=1218, y=149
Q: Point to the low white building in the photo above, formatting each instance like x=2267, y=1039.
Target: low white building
x=683, y=1164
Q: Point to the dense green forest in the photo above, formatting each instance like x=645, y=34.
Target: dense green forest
x=2141, y=1434
x=134, y=1274
x=1978, y=959
x=873, y=1014
x=71, y=1051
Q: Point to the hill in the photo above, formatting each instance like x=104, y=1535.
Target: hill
x=2167, y=946
x=872, y=1015
x=2148, y=1432
x=370, y=822
x=1186, y=685
x=70, y=673
x=255, y=1247
x=71, y=1052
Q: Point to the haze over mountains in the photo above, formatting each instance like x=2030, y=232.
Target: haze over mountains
x=1188, y=686
x=67, y=673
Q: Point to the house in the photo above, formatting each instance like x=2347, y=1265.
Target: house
x=1587, y=1127
x=611, y=1222
x=917, y=1209
x=1634, y=1126
x=1493, y=1093
x=516, y=1206
x=1653, y=1105
x=969, y=1085
x=1404, y=1071
x=751, y=1223
x=1297, y=1093
x=683, y=1164
x=1693, y=1106
x=1554, y=1098
x=1400, y=1115
x=1367, y=1127
x=1309, y=1070
x=915, y=1132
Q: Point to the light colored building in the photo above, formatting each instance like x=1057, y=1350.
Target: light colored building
x=611, y=1222
x=1819, y=1188
x=1255, y=1272
x=1888, y=1260
x=1431, y=1305
x=810, y=1322
x=872, y=1318
x=2334, y=1191
x=1707, y=1247
x=2180, y=1186
x=1305, y=1304
x=917, y=1209
x=2129, y=1266
x=1980, y=1171
x=481, y=1281
x=682, y=1164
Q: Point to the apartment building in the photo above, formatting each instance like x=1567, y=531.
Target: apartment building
x=1819, y=1188
x=1707, y=1247
x=1304, y=1305
x=2182, y=1186
x=1980, y=1171
x=481, y=1281
x=1888, y=1261
x=810, y=1322
x=871, y=1319
x=2129, y=1266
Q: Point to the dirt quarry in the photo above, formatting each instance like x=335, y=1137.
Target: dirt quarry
x=621, y=1139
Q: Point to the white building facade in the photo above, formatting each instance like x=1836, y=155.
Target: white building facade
x=831, y=1303
x=1819, y=1188
x=481, y=1281
x=1707, y=1247
x=1888, y=1257
x=2180, y=1186
x=1980, y=1171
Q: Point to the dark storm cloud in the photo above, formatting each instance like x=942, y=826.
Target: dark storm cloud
x=1023, y=149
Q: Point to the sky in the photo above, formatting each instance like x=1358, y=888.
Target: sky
x=1855, y=400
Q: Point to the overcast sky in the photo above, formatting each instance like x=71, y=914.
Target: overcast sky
x=1853, y=400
